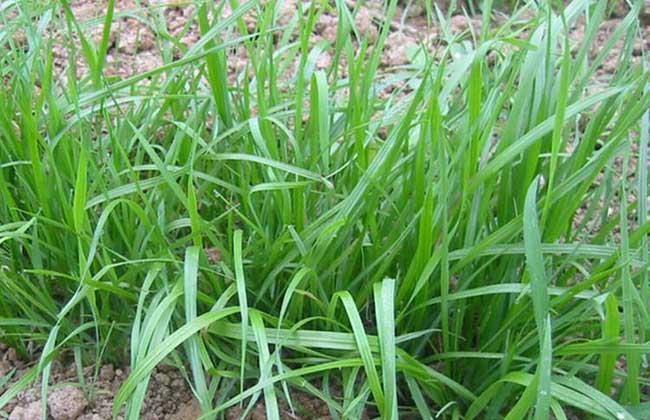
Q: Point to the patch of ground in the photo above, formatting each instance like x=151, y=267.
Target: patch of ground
x=139, y=32
x=70, y=398
x=146, y=35
x=169, y=397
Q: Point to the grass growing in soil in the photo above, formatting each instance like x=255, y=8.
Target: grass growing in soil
x=465, y=236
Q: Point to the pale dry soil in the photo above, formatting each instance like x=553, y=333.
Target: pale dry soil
x=91, y=398
x=136, y=47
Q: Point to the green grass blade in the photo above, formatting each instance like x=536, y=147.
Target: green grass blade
x=385, y=314
x=535, y=260
x=240, y=280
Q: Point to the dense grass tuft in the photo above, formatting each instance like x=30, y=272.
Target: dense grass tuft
x=461, y=237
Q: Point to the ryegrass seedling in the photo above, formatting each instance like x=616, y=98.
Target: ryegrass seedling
x=474, y=222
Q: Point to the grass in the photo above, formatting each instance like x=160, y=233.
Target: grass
x=458, y=246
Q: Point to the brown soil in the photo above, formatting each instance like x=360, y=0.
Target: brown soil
x=169, y=396
x=140, y=26
x=69, y=398
x=135, y=47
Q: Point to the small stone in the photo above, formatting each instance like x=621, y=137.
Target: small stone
x=288, y=10
x=11, y=355
x=162, y=379
x=66, y=403
x=327, y=27
x=119, y=373
x=107, y=373
x=30, y=395
x=213, y=254
x=365, y=26
x=324, y=61
x=70, y=371
x=191, y=410
x=460, y=23
x=31, y=411
x=146, y=44
x=5, y=368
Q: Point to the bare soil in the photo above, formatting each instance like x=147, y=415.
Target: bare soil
x=89, y=395
x=138, y=32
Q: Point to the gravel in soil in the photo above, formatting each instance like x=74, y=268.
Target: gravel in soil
x=69, y=398
x=169, y=396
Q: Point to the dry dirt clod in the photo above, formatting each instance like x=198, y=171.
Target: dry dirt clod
x=11, y=355
x=107, y=373
x=162, y=379
x=460, y=23
x=258, y=413
x=5, y=368
x=66, y=403
x=363, y=21
x=287, y=12
x=213, y=254
x=31, y=411
x=395, y=53
x=327, y=27
x=90, y=417
x=188, y=411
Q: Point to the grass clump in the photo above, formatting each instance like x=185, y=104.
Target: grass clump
x=406, y=241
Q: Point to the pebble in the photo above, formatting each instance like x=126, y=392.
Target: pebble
x=107, y=373
x=162, y=379
x=11, y=355
x=5, y=367
x=31, y=411
x=66, y=403
x=191, y=410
